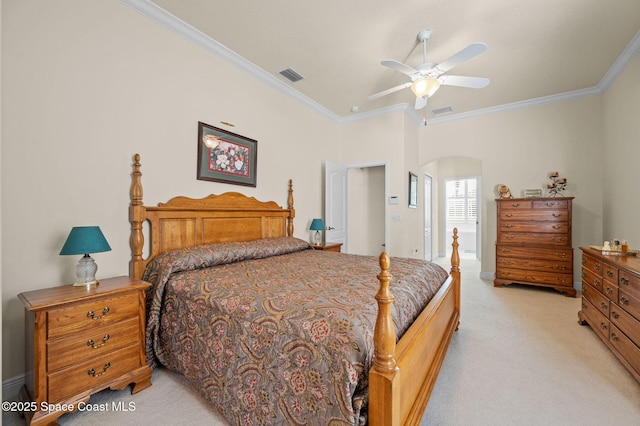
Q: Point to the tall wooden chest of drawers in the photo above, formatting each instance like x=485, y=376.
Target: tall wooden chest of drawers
x=534, y=243
x=80, y=341
x=611, y=303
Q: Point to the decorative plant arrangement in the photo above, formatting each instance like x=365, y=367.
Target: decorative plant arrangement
x=557, y=184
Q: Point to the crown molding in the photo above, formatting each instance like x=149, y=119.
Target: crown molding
x=165, y=19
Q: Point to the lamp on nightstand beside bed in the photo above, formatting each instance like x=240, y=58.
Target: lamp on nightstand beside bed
x=317, y=225
x=85, y=240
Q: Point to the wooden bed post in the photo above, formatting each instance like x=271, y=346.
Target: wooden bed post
x=136, y=217
x=382, y=376
x=292, y=211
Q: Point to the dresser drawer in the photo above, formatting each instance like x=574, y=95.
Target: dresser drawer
x=626, y=323
x=598, y=322
x=610, y=273
x=629, y=351
x=536, y=253
x=551, y=204
x=629, y=303
x=610, y=290
x=535, y=277
x=533, y=238
x=89, y=344
x=592, y=264
x=592, y=279
x=552, y=227
x=92, y=314
x=629, y=283
x=597, y=299
x=70, y=381
x=514, y=205
x=535, y=215
x=535, y=264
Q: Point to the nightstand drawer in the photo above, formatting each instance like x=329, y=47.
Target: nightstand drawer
x=89, y=344
x=89, y=374
x=89, y=315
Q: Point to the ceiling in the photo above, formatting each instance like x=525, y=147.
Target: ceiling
x=538, y=51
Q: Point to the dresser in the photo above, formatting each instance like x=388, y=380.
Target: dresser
x=80, y=341
x=533, y=244
x=611, y=303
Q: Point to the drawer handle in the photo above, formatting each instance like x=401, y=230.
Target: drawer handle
x=563, y=254
x=509, y=215
x=507, y=225
x=94, y=346
x=624, y=281
x=609, y=290
x=557, y=226
x=509, y=237
x=603, y=326
x=556, y=214
x=597, y=266
x=615, y=314
x=624, y=300
x=93, y=373
x=560, y=267
x=505, y=251
x=91, y=315
x=550, y=204
x=515, y=204
x=584, y=305
x=614, y=337
x=609, y=273
x=597, y=282
x=603, y=305
x=556, y=239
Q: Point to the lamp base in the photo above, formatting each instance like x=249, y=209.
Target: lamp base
x=86, y=270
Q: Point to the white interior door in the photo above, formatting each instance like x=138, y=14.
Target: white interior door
x=335, y=214
x=428, y=218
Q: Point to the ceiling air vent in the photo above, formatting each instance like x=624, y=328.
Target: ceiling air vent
x=440, y=111
x=291, y=75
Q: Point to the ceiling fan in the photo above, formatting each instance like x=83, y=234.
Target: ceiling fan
x=427, y=77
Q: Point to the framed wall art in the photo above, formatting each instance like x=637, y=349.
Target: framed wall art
x=226, y=157
x=413, y=190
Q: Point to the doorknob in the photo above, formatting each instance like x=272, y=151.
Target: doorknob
x=329, y=228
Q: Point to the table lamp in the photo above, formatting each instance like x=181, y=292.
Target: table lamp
x=317, y=225
x=85, y=240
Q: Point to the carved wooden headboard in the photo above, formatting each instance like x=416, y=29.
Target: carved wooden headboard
x=187, y=222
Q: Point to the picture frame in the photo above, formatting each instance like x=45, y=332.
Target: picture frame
x=413, y=190
x=226, y=157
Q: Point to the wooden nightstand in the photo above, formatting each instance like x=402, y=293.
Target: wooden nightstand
x=328, y=246
x=80, y=341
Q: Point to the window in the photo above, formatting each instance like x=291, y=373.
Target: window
x=461, y=200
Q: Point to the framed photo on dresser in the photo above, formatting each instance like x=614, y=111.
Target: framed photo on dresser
x=226, y=157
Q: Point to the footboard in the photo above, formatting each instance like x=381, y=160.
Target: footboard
x=404, y=373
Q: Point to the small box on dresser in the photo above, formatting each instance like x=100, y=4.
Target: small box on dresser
x=611, y=303
x=80, y=341
x=533, y=244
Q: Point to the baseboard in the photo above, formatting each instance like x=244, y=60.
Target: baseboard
x=487, y=275
x=11, y=387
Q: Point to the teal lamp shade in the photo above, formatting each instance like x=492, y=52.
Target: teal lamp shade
x=85, y=240
x=317, y=225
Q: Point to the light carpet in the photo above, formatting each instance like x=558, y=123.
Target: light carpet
x=519, y=358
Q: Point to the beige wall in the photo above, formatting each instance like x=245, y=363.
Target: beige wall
x=620, y=160
x=519, y=148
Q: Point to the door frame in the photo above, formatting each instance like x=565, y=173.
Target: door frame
x=364, y=165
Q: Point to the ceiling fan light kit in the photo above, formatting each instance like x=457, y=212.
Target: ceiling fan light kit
x=427, y=77
x=425, y=87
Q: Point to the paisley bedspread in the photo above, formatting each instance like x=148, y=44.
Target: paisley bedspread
x=273, y=332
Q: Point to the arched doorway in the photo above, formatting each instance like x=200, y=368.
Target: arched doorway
x=455, y=195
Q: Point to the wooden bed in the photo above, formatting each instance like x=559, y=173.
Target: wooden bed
x=403, y=373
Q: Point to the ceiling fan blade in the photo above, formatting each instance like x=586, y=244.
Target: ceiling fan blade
x=464, y=55
x=399, y=66
x=388, y=91
x=420, y=103
x=464, y=81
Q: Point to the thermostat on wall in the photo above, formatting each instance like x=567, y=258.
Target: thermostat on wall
x=393, y=199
